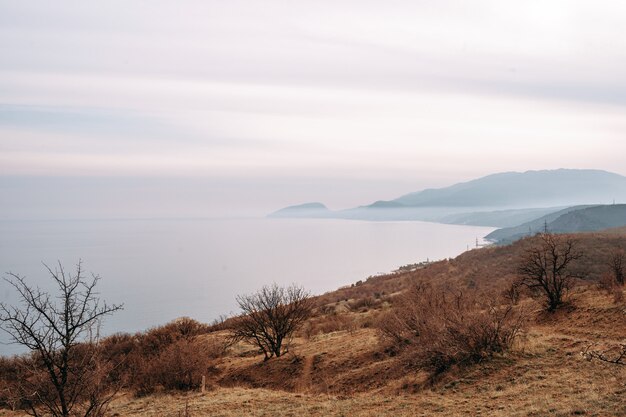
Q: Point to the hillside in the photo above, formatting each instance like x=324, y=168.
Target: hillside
x=342, y=373
x=338, y=365
x=591, y=219
x=570, y=220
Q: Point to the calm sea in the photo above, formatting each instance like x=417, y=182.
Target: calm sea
x=164, y=269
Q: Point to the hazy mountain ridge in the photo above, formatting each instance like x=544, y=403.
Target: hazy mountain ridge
x=314, y=209
x=547, y=188
x=570, y=220
x=497, y=200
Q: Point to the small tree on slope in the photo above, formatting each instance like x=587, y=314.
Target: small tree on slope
x=270, y=317
x=546, y=268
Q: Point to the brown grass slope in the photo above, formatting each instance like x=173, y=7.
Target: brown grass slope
x=337, y=365
x=343, y=373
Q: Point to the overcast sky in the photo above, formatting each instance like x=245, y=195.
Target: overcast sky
x=206, y=107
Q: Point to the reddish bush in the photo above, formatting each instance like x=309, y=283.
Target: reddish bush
x=168, y=357
x=180, y=366
x=437, y=328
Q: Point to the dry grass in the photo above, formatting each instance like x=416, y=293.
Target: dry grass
x=342, y=374
x=337, y=366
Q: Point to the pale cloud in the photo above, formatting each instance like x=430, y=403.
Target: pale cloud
x=423, y=93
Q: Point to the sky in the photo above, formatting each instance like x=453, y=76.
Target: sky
x=130, y=108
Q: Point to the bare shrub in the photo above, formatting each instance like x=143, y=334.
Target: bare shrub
x=546, y=268
x=615, y=355
x=187, y=327
x=616, y=264
x=270, y=317
x=512, y=293
x=180, y=366
x=364, y=304
x=9, y=374
x=219, y=323
x=439, y=328
x=158, y=338
x=65, y=374
x=332, y=323
x=168, y=357
x=327, y=309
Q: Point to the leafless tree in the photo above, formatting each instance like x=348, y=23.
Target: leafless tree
x=616, y=264
x=546, y=268
x=64, y=375
x=270, y=317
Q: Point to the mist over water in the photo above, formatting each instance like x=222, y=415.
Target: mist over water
x=164, y=269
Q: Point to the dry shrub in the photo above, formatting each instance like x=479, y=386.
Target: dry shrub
x=437, y=328
x=512, y=293
x=25, y=383
x=180, y=366
x=222, y=322
x=612, y=288
x=334, y=323
x=9, y=374
x=168, y=357
x=156, y=339
x=613, y=282
x=326, y=309
x=617, y=264
x=364, y=304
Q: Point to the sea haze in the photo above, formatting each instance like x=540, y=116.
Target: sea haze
x=164, y=269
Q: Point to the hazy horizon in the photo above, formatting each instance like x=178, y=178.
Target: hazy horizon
x=203, y=109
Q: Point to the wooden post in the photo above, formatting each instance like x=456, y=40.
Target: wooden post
x=203, y=384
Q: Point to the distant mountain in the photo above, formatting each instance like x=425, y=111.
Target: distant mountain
x=496, y=200
x=570, y=220
x=549, y=188
x=306, y=210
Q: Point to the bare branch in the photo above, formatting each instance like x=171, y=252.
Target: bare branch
x=64, y=372
x=615, y=356
x=270, y=317
x=546, y=268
